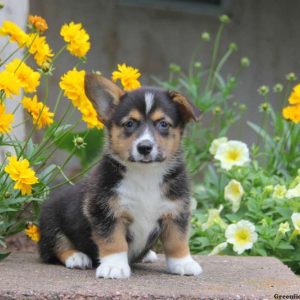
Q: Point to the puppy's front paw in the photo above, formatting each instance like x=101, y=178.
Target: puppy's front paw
x=79, y=260
x=150, y=257
x=114, y=266
x=184, y=266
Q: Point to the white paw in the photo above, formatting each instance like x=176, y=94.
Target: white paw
x=79, y=260
x=150, y=257
x=114, y=266
x=184, y=266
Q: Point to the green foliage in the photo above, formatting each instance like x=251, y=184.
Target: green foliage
x=275, y=160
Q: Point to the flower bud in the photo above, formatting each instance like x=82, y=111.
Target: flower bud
x=1, y=5
x=277, y=88
x=7, y=195
x=174, y=68
x=264, y=107
x=205, y=36
x=245, y=62
x=197, y=65
x=243, y=107
x=224, y=19
x=217, y=110
x=79, y=142
x=233, y=47
x=291, y=77
x=263, y=90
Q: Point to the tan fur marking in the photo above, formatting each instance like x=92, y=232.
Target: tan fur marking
x=175, y=242
x=120, y=145
x=135, y=114
x=63, y=248
x=115, y=243
x=158, y=114
x=171, y=143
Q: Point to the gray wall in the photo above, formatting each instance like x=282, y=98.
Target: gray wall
x=267, y=31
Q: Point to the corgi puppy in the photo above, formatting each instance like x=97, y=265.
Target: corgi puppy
x=138, y=193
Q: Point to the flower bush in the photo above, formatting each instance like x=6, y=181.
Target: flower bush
x=26, y=176
x=246, y=198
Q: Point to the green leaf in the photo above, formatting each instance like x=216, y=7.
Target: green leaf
x=3, y=255
x=260, y=131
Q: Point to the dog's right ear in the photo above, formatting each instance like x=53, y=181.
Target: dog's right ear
x=103, y=93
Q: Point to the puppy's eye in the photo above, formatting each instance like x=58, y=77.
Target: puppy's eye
x=162, y=126
x=130, y=125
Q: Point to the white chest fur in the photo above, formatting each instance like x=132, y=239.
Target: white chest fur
x=140, y=194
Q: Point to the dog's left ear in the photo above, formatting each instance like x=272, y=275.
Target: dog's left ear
x=104, y=94
x=188, y=109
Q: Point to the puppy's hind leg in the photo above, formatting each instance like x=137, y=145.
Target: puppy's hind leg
x=69, y=256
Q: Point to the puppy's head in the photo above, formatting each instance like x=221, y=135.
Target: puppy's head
x=145, y=125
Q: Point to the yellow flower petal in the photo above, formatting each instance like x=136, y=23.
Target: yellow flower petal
x=128, y=77
x=29, y=79
x=77, y=39
x=5, y=120
x=20, y=171
x=15, y=33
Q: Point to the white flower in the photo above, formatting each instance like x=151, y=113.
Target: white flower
x=294, y=192
x=218, y=249
x=232, y=153
x=296, y=221
x=214, y=218
x=279, y=191
x=216, y=143
x=234, y=192
x=242, y=235
x=284, y=228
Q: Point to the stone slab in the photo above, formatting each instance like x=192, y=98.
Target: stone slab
x=23, y=276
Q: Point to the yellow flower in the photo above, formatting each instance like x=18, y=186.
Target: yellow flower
x=279, y=191
x=292, y=113
x=77, y=39
x=9, y=83
x=89, y=115
x=128, y=77
x=214, y=218
x=232, y=153
x=37, y=46
x=216, y=143
x=15, y=33
x=234, y=192
x=296, y=221
x=293, y=192
x=29, y=79
x=284, y=228
x=72, y=83
x=295, y=95
x=38, y=23
x=242, y=235
x=5, y=120
x=40, y=113
x=33, y=232
x=20, y=171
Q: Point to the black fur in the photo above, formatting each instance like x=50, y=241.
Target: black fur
x=79, y=211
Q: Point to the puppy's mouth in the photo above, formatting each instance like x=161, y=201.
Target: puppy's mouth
x=146, y=159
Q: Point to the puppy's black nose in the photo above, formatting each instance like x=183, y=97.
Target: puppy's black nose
x=144, y=147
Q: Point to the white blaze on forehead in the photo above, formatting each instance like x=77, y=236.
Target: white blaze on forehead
x=149, y=97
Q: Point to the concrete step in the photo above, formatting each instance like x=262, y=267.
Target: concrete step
x=23, y=276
